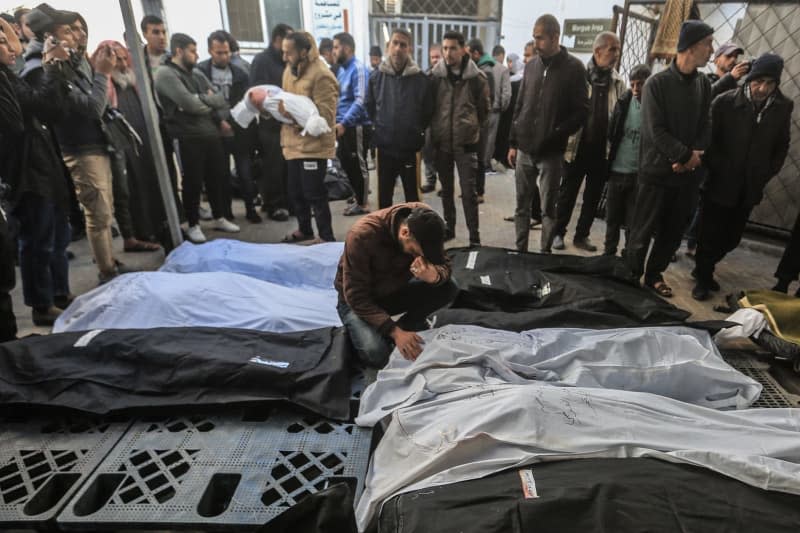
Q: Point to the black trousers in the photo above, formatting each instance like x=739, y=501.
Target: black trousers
x=351, y=154
x=620, y=204
x=203, y=161
x=389, y=167
x=273, y=179
x=660, y=215
x=595, y=168
x=8, y=322
x=719, y=231
x=307, y=191
x=789, y=267
x=241, y=148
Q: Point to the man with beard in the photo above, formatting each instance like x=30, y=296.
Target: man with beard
x=352, y=120
x=586, y=149
x=267, y=69
x=192, y=112
x=674, y=134
x=727, y=68
x=306, y=155
x=232, y=83
x=400, y=105
x=461, y=109
x=750, y=132
x=137, y=198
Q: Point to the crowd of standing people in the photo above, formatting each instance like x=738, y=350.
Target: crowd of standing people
x=674, y=153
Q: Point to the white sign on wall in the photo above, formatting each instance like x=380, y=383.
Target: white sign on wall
x=328, y=18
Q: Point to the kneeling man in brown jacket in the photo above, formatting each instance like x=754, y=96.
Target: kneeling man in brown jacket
x=393, y=263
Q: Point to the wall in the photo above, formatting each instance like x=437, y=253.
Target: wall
x=519, y=16
x=103, y=18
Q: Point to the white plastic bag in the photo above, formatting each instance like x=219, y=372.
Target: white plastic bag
x=302, y=109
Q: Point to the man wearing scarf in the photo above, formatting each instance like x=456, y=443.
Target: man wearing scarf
x=587, y=149
x=749, y=141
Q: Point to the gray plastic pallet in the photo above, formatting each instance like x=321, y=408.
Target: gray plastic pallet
x=223, y=471
x=773, y=395
x=43, y=462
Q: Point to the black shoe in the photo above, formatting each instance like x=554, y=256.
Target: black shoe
x=712, y=284
x=449, y=235
x=45, y=316
x=279, y=215
x=63, y=301
x=584, y=244
x=70, y=256
x=427, y=188
x=782, y=286
x=700, y=292
x=253, y=217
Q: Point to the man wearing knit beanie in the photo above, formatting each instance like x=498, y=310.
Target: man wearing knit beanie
x=749, y=142
x=674, y=133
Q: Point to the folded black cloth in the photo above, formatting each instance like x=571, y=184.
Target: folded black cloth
x=505, y=289
x=109, y=370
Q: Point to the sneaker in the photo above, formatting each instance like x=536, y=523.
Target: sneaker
x=62, y=301
x=253, y=217
x=45, y=316
x=195, y=234
x=558, y=243
x=355, y=210
x=584, y=244
x=223, y=224
x=535, y=222
x=279, y=215
x=205, y=213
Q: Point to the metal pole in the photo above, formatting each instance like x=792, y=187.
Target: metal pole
x=151, y=121
x=622, y=31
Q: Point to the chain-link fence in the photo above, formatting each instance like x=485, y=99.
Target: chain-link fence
x=757, y=27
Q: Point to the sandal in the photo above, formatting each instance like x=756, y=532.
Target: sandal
x=296, y=236
x=141, y=246
x=661, y=288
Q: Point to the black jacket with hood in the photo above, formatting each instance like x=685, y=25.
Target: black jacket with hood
x=400, y=107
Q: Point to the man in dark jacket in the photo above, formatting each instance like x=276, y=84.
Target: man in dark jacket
x=675, y=132
x=399, y=104
x=552, y=104
x=194, y=118
x=789, y=267
x=749, y=141
x=393, y=263
x=462, y=105
x=267, y=69
x=727, y=71
x=232, y=83
x=34, y=187
x=624, y=136
x=586, y=150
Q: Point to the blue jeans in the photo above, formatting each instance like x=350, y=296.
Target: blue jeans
x=416, y=300
x=44, y=234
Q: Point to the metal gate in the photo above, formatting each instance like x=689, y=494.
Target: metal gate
x=427, y=30
x=757, y=27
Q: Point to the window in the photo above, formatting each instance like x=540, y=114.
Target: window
x=250, y=21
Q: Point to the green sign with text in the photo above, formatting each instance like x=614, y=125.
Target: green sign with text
x=583, y=31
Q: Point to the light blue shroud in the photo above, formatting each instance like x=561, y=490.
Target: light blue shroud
x=210, y=299
x=285, y=264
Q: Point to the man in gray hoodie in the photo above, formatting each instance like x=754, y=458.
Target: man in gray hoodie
x=194, y=113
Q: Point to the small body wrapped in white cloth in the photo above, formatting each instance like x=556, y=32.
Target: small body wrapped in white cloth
x=269, y=97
